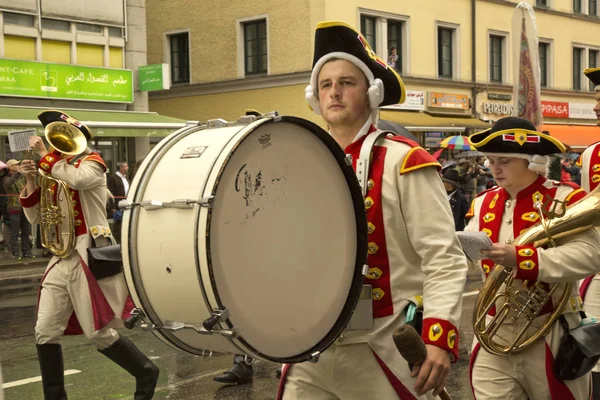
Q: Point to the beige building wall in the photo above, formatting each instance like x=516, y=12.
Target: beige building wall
x=563, y=32
x=215, y=34
x=219, y=90
x=423, y=18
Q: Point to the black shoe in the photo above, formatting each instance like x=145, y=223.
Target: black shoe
x=131, y=359
x=53, y=371
x=240, y=373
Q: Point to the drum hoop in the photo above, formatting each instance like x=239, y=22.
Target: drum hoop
x=132, y=245
x=362, y=239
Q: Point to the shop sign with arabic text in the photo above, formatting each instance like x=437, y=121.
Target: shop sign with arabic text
x=63, y=81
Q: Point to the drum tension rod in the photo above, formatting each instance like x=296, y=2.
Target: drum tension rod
x=157, y=204
x=208, y=327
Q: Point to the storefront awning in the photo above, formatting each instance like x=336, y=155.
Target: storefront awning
x=574, y=136
x=102, y=123
x=418, y=121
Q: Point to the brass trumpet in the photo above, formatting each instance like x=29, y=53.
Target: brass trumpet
x=529, y=301
x=70, y=141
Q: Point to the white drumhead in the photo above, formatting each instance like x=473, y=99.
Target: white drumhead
x=283, y=240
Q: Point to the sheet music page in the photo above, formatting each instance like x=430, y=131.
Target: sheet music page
x=19, y=140
x=473, y=242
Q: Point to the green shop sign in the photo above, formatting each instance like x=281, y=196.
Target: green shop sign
x=154, y=77
x=62, y=81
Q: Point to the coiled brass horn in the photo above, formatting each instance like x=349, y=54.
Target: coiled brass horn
x=529, y=301
x=59, y=239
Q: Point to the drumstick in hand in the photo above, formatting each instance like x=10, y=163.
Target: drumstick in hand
x=413, y=350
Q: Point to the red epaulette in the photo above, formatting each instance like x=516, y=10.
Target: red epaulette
x=416, y=158
x=571, y=184
x=95, y=157
x=404, y=140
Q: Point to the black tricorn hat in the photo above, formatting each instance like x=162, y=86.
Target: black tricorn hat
x=593, y=75
x=338, y=40
x=515, y=135
x=49, y=116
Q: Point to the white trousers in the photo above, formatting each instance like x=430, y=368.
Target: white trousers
x=349, y=372
x=526, y=375
x=64, y=290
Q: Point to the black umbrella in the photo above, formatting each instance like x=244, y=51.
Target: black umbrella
x=386, y=125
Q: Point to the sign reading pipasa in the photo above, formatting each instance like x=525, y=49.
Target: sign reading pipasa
x=62, y=81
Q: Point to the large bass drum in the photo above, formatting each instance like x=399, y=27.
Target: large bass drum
x=246, y=238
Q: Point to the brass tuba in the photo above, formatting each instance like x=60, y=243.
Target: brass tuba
x=529, y=301
x=59, y=240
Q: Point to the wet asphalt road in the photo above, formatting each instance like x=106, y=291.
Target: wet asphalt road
x=183, y=376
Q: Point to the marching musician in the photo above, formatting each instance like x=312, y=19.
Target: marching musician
x=590, y=177
x=517, y=154
x=71, y=300
x=413, y=254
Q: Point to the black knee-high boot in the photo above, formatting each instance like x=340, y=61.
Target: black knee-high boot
x=53, y=371
x=131, y=359
x=596, y=385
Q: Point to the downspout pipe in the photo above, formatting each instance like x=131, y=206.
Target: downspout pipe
x=474, y=56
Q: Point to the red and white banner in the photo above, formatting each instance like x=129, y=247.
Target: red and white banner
x=555, y=109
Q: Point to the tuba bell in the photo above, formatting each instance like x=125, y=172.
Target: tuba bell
x=59, y=239
x=529, y=301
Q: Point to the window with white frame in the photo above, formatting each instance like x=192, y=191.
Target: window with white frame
x=56, y=24
x=577, y=63
x=593, y=62
x=545, y=58
x=447, y=51
x=586, y=7
x=584, y=56
x=542, y=3
x=368, y=28
x=18, y=19
x=593, y=8
x=395, y=43
x=497, y=58
x=179, y=57
x=387, y=35
x=255, y=47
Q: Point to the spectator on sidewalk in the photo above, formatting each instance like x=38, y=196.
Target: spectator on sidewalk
x=118, y=184
x=13, y=184
x=4, y=243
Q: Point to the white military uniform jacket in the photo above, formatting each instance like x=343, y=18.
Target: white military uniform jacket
x=414, y=254
x=87, y=182
x=503, y=219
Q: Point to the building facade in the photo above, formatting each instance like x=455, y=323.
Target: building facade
x=454, y=56
x=82, y=57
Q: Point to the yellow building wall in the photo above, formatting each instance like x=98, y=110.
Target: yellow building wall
x=494, y=16
x=213, y=34
x=88, y=54
x=423, y=16
x=20, y=48
x=56, y=51
x=115, y=56
x=288, y=100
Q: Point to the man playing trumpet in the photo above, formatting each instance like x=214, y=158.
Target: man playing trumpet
x=71, y=299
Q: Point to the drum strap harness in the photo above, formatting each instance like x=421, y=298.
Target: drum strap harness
x=362, y=318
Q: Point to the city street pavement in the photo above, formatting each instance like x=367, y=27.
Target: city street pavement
x=91, y=376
